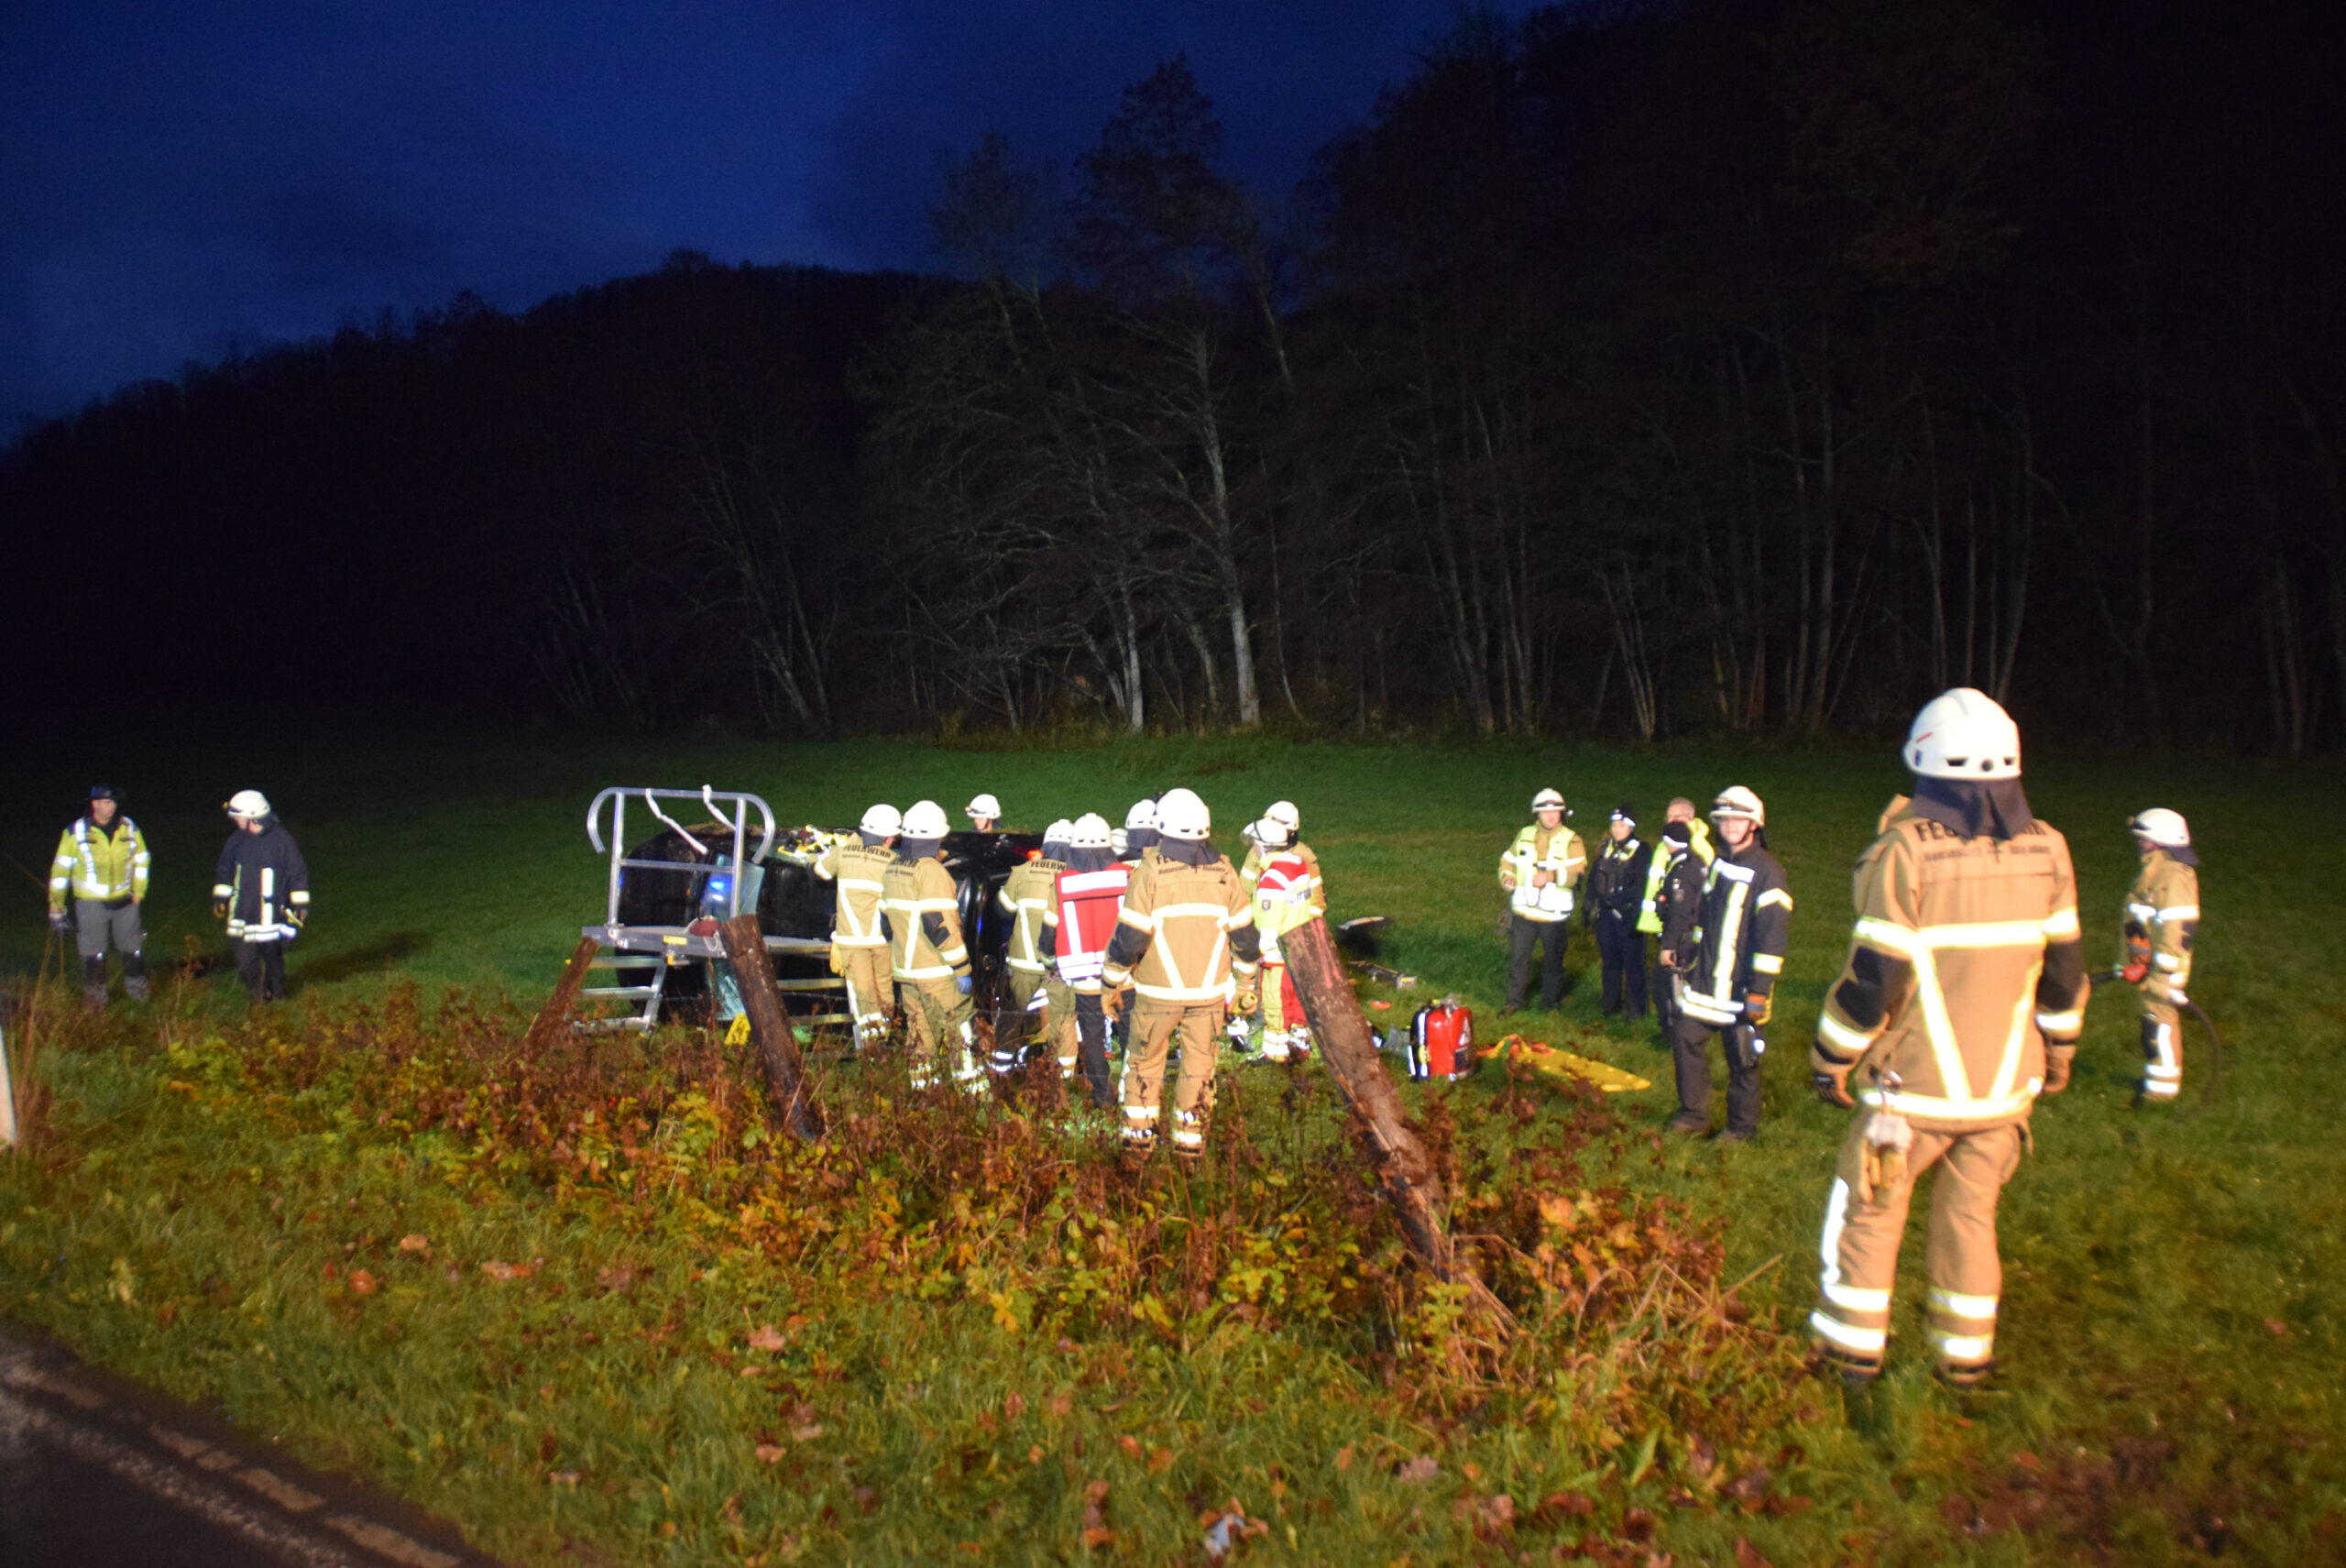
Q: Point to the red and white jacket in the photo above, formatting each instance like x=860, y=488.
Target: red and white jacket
x=1079, y=921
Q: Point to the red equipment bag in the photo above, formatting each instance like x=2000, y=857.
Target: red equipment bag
x=1441, y=1041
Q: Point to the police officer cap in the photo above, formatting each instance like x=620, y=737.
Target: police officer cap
x=1678, y=832
x=104, y=792
x=1626, y=813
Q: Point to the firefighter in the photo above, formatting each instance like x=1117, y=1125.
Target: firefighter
x=1962, y=999
x=262, y=890
x=1286, y=893
x=1076, y=932
x=2162, y=929
x=858, y=942
x=1673, y=896
x=984, y=813
x=1185, y=941
x=1261, y=846
x=1733, y=958
x=102, y=861
x=927, y=953
x=1026, y=892
x=1272, y=836
x=1617, y=885
x=1539, y=871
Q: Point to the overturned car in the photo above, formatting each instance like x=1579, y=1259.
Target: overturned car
x=658, y=948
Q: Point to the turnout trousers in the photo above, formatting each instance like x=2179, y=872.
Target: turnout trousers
x=1156, y=1025
x=1026, y=1032
x=2162, y=1040
x=1690, y=1048
x=1522, y=936
x=261, y=966
x=98, y=926
x=1286, y=1031
x=1089, y=1024
x=937, y=1018
x=1865, y=1218
x=1059, y=1035
x=869, y=988
x=1621, y=949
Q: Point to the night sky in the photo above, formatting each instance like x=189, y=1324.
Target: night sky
x=181, y=181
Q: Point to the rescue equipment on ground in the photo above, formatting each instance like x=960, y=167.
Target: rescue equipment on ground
x=1442, y=1040
x=1546, y=1060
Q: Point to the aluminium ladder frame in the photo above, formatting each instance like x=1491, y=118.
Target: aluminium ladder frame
x=661, y=947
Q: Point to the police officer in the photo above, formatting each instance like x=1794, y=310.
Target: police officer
x=1186, y=942
x=1616, y=886
x=102, y=861
x=858, y=942
x=1961, y=1000
x=262, y=890
x=927, y=953
x=1539, y=871
x=2162, y=929
x=1738, y=950
x=1672, y=902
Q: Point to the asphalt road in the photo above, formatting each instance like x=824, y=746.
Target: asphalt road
x=97, y=1474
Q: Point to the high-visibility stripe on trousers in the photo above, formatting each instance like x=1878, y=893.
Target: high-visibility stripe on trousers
x=865, y=970
x=1155, y=1027
x=940, y=1019
x=2162, y=1045
x=1865, y=1217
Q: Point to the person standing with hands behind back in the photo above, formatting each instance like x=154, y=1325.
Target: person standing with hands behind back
x=262, y=890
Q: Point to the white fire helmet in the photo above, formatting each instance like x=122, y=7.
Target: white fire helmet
x=1548, y=800
x=925, y=820
x=1270, y=832
x=1284, y=813
x=1736, y=801
x=1142, y=815
x=882, y=821
x=1057, y=831
x=2162, y=827
x=984, y=806
x=1963, y=734
x=1182, y=815
x=1088, y=832
x=247, y=803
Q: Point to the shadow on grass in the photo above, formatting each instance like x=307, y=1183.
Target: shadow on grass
x=384, y=952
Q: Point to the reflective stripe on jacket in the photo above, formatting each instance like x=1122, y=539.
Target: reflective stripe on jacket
x=1184, y=932
x=1966, y=959
x=2163, y=908
x=1616, y=882
x=1745, y=925
x=1556, y=850
x=861, y=874
x=923, y=919
x=1284, y=898
x=1028, y=894
x=1257, y=858
x=262, y=878
x=100, y=863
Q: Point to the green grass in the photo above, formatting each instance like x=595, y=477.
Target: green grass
x=2171, y=1316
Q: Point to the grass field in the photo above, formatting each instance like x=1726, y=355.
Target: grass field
x=987, y=1340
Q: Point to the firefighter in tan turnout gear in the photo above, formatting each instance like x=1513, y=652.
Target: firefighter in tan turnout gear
x=859, y=943
x=2162, y=927
x=1961, y=1001
x=927, y=952
x=1186, y=941
x=1027, y=896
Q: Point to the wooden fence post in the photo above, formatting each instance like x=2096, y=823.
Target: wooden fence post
x=553, y=1018
x=786, y=1092
x=1404, y=1170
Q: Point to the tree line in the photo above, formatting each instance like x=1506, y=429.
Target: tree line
x=1639, y=369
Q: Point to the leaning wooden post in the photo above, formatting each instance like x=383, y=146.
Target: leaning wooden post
x=1404, y=1170
x=553, y=1018
x=786, y=1091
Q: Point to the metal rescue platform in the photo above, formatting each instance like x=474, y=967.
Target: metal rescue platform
x=720, y=875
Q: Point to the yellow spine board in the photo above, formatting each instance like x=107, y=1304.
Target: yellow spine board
x=1548, y=1060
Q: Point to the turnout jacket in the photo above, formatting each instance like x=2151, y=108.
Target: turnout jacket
x=1028, y=894
x=1965, y=963
x=1286, y=897
x=263, y=880
x=2163, y=909
x=1556, y=850
x=1251, y=870
x=1184, y=932
x=104, y=864
x=860, y=872
x=923, y=919
x=1616, y=882
x=1743, y=924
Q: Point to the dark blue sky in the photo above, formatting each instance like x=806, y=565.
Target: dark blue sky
x=177, y=179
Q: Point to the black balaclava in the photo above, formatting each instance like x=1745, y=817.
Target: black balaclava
x=1189, y=851
x=1974, y=808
